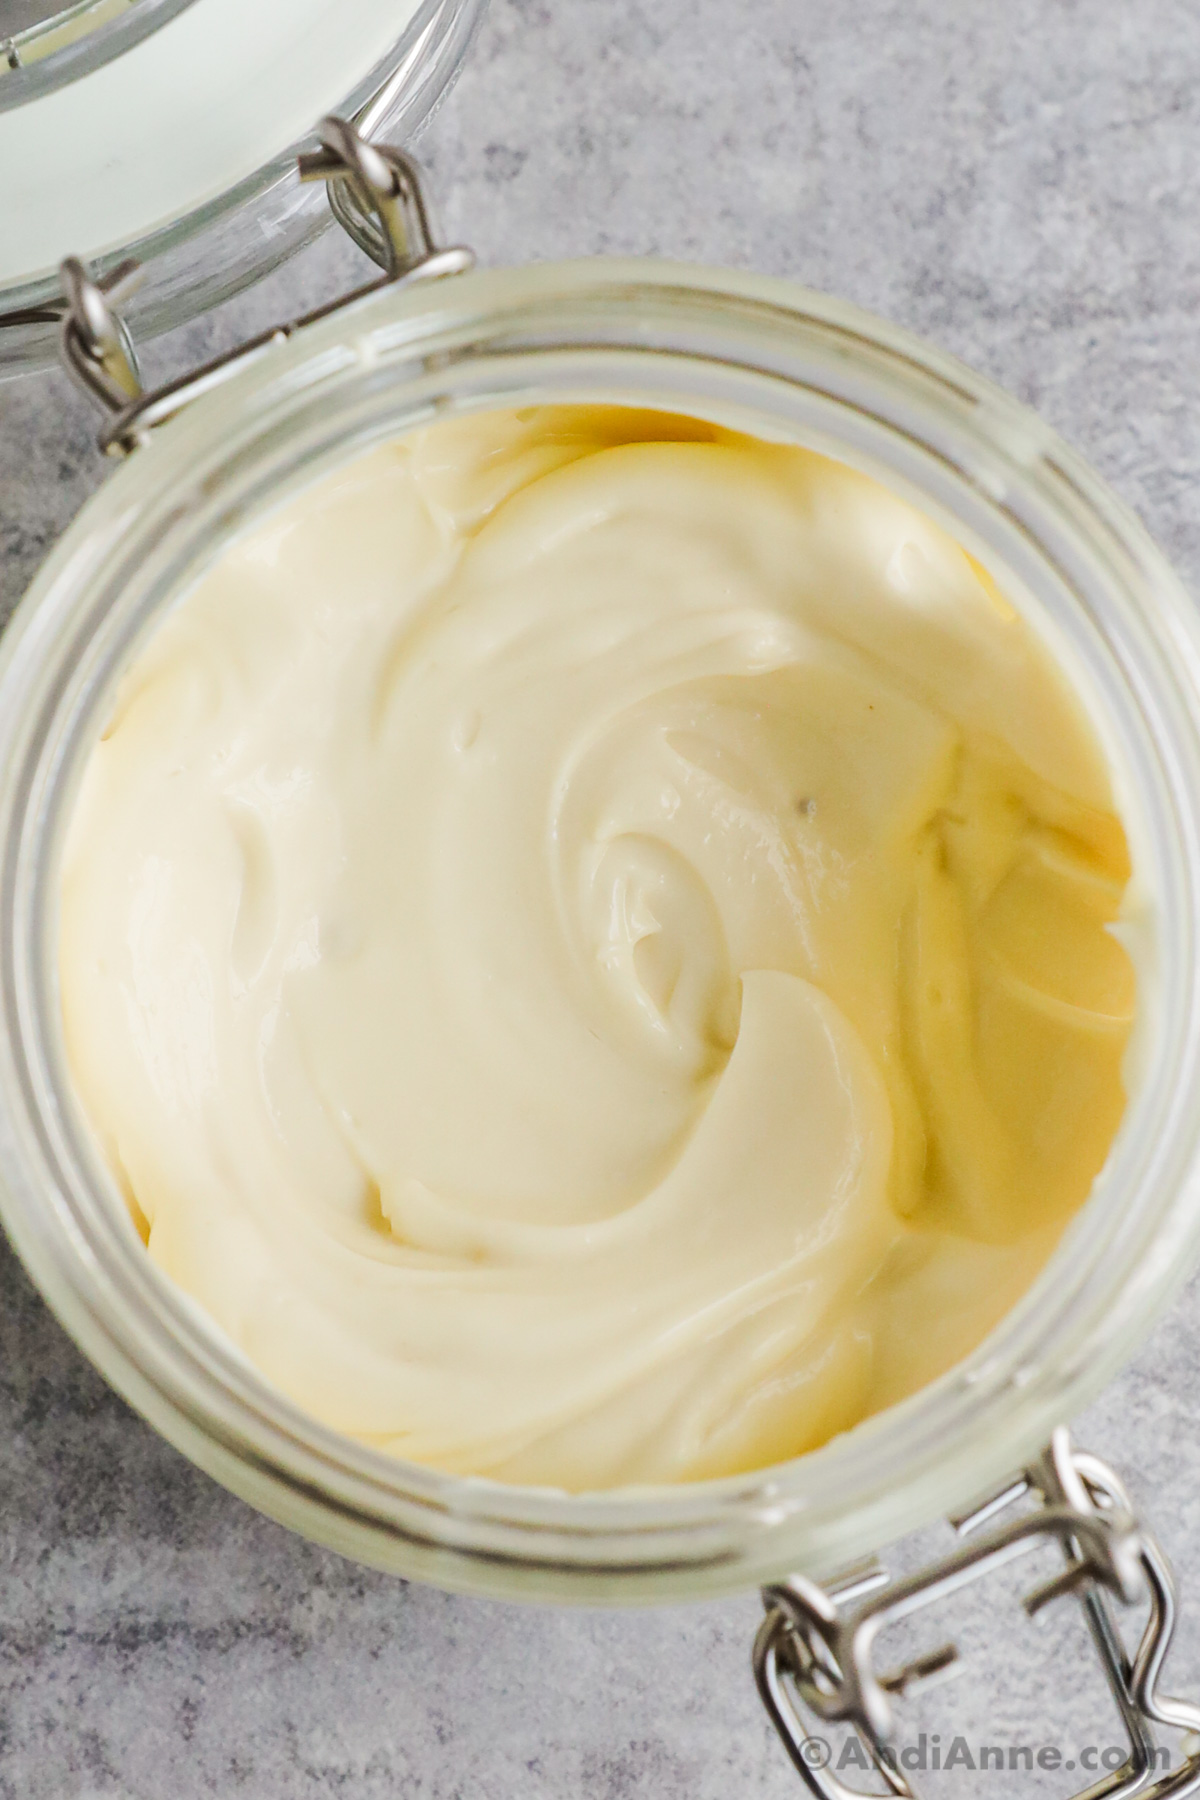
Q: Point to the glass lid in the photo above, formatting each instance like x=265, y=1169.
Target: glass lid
x=167, y=131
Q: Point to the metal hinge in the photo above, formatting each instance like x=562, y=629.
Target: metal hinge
x=375, y=193
x=814, y=1654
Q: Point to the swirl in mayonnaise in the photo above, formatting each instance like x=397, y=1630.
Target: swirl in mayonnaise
x=586, y=945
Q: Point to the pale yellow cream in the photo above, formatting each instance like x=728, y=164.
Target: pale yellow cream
x=586, y=943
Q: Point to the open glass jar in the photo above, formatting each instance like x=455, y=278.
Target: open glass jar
x=760, y=356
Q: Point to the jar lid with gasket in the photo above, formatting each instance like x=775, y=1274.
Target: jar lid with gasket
x=167, y=131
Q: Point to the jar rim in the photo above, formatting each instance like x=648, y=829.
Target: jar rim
x=737, y=348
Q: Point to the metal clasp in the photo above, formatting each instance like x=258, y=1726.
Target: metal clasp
x=375, y=194
x=814, y=1654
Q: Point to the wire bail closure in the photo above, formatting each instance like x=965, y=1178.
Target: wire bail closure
x=814, y=1654
x=376, y=196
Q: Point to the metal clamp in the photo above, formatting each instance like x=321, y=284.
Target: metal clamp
x=96, y=343
x=376, y=196
x=814, y=1654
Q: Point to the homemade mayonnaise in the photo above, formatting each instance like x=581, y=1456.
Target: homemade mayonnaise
x=586, y=945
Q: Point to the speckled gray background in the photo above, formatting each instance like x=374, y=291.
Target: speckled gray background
x=1018, y=182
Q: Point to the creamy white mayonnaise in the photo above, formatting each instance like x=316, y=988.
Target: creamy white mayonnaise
x=587, y=950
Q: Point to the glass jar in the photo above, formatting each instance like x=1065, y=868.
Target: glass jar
x=168, y=130
x=766, y=357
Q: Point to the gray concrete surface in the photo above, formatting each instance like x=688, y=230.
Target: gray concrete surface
x=1017, y=182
